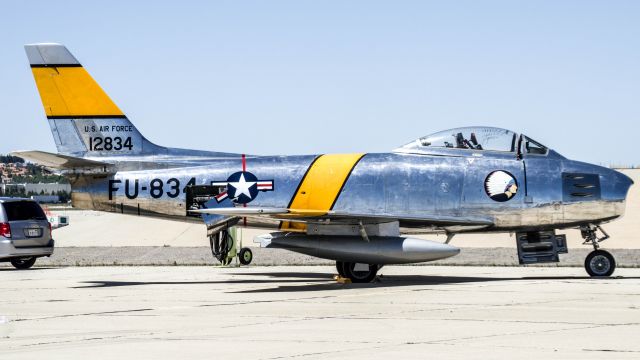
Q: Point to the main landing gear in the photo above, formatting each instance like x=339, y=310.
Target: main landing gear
x=223, y=248
x=598, y=262
x=356, y=272
x=245, y=256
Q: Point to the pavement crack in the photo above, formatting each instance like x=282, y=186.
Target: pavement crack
x=467, y=338
x=83, y=314
x=612, y=350
x=294, y=356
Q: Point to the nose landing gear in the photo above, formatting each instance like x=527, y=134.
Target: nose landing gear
x=598, y=262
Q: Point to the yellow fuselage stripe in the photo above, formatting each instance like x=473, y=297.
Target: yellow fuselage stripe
x=71, y=91
x=321, y=186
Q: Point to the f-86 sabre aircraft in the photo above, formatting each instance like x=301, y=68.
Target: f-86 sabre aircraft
x=357, y=209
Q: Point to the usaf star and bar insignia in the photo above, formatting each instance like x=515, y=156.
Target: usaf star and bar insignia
x=242, y=187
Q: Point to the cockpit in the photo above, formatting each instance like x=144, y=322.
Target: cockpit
x=477, y=139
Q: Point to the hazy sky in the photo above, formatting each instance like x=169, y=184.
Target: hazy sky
x=285, y=77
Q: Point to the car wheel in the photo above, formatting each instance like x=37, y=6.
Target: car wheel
x=23, y=263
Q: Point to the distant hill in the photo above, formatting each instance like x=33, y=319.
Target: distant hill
x=16, y=170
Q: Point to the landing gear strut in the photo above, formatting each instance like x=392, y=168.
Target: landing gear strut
x=598, y=262
x=358, y=273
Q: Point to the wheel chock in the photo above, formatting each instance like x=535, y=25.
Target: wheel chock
x=341, y=280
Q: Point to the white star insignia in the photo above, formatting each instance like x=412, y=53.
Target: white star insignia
x=242, y=187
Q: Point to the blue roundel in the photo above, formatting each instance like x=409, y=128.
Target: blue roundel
x=242, y=187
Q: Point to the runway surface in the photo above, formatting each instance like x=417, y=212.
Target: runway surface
x=190, y=256
x=299, y=312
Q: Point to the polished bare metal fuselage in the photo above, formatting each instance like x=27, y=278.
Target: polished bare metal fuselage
x=445, y=183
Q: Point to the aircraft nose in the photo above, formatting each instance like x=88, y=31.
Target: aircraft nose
x=619, y=183
x=629, y=179
x=623, y=179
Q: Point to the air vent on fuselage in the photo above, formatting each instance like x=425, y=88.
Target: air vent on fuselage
x=580, y=187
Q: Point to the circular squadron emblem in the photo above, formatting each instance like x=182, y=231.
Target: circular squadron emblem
x=501, y=186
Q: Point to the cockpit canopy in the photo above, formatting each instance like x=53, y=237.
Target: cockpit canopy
x=476, y=138
x=473, y=138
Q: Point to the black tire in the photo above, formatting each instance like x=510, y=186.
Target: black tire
x=23, y=263
x=245, y=256
x=359, y=276
x=221, y=244
x=600, y=263
x=340, y=268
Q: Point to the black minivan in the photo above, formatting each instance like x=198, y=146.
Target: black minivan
x=25, y=232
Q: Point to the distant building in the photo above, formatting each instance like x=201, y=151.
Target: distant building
x=46, y=199
x=46, y=189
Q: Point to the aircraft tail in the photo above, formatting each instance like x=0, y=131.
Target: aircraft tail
x=83, y=119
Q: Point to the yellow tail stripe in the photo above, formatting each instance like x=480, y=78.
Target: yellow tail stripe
x=321, y=186
x=71, y=91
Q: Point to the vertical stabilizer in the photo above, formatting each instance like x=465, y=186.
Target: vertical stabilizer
x=83, y=119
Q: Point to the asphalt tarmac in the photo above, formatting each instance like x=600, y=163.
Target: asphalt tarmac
x=278, y=312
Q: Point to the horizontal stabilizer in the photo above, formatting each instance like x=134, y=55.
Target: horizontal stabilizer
x=57, y=161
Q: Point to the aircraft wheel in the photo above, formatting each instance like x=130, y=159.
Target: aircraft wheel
x=600, y=263
x=354, y=272
x=23, y=263
x=340, y=268
x=245, y=256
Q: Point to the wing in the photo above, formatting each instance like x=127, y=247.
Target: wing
x=312, y=216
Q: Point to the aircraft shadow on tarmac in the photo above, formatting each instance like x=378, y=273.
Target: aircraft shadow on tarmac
x=392, y=281
x=32, y=269
x=285, y=281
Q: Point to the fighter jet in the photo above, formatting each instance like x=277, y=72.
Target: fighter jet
x=360, y=210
